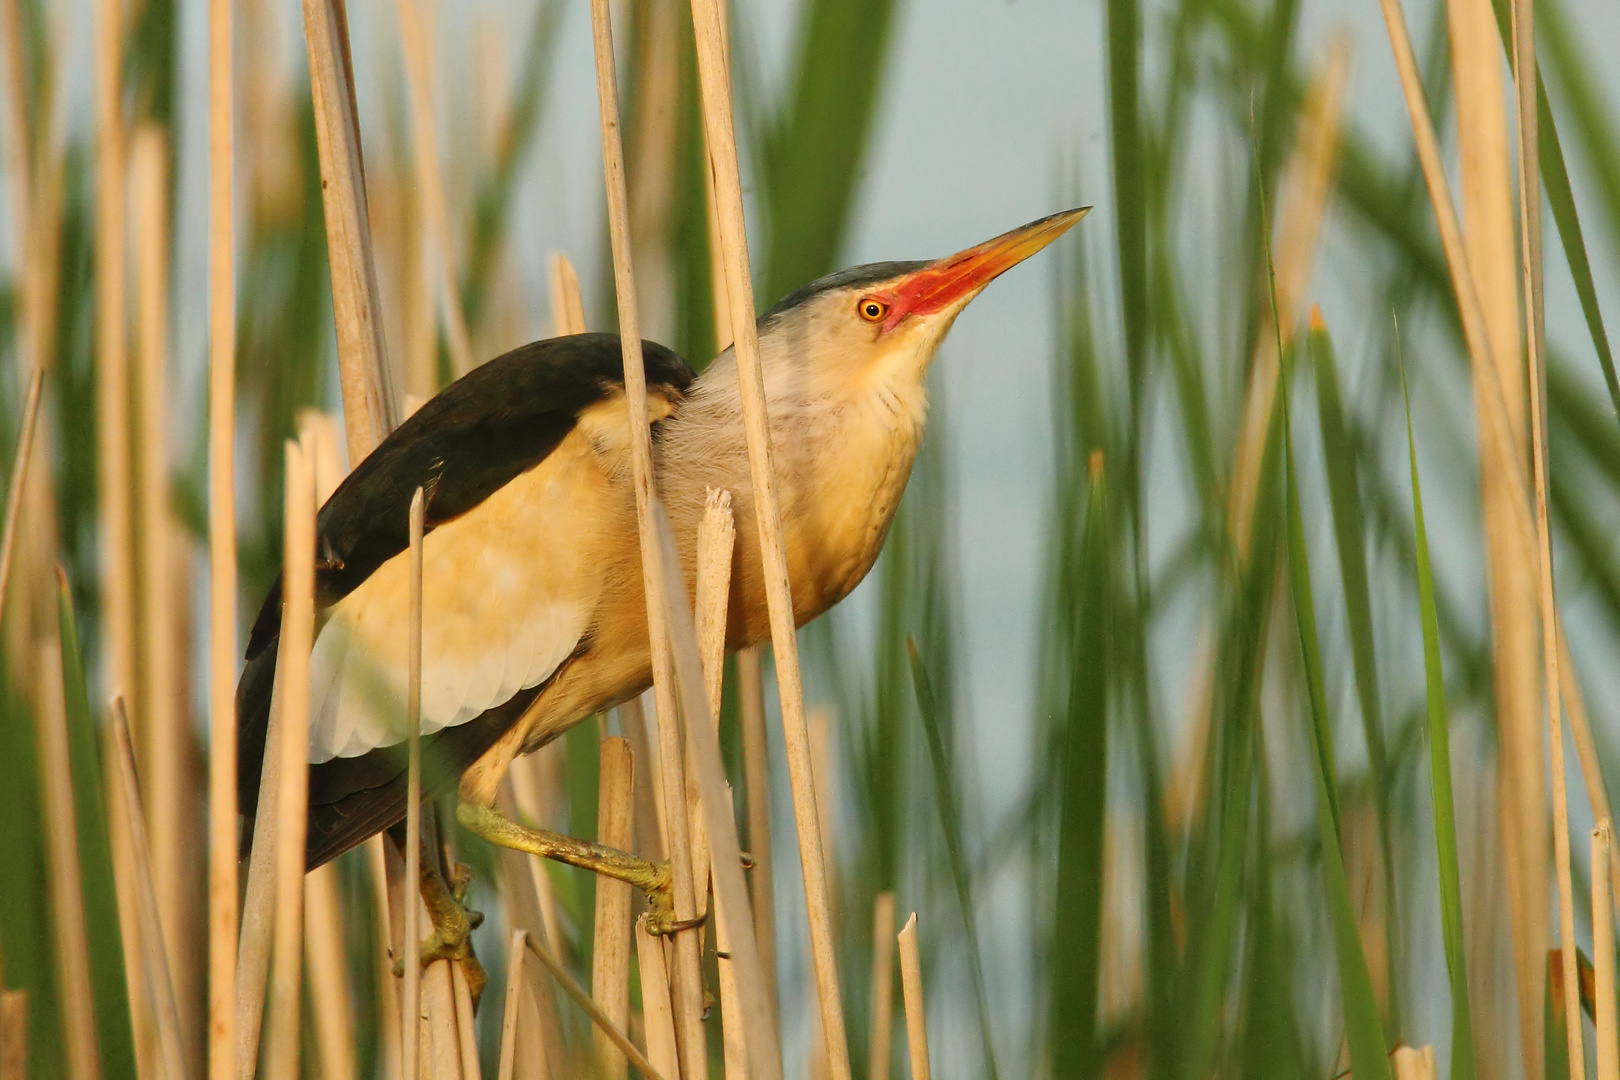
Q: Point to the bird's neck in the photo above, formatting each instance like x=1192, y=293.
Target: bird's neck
x=842, y=455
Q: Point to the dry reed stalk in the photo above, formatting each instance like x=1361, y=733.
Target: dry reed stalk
x=64, y=886
x=541, y=1031
x=649, y=792
x=292, y=801
x=525, y=785
x=430, y=179
x=387, y=1000
x=155, y=966
x=441, y=1056
x=14, y=1035
x=757, y=781
x=1496, y=430
x=1411, y=1063
x=731, y=908
x=734, y=1039
x=654, y=124
x=163, y=724
x=511, y=1012
x=222, y=646
x=1302, y=203
x=657, y=1014
x=714, y=80
x=369, y=407
x=610, y=954
x=326, y=958
x=911, y=986
x=599, y=1020
x=567, y=306
x=1608, y=1025
x=410, y=1027
x=716, y=538
x=1586, y=751
x=466, y=1036
x=688, y=984
x=1487, y=208
x=1524, y=67
x=115, y=510
x=882, y=996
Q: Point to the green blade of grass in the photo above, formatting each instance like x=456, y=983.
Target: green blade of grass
x=1344, y=494
x=1369, y=1058
x=1083, y=800
x=108, y=989
x=1445, y=822
x=812, y=157
x=949, y=802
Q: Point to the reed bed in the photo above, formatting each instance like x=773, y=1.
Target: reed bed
x=1259, y=849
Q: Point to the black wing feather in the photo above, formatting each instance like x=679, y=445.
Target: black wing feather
x=492, y=425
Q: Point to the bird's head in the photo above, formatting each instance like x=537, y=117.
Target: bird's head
x=883, y=319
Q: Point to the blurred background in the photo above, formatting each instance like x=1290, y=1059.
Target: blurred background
x=1113, y=790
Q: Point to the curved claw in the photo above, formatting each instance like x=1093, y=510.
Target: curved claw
x=661, y=920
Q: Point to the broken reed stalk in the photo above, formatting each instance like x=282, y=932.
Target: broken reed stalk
x=411, y=1003
x=1524, y=67
x=1411, y=1063
x=657, y=1014
x=567, y=306
x=1586, y=750
x=602, y=1024
x=115, y=511
x=1608, y=1034
x=714, y=80
x=610, y=954
x=882, y=997
x=64, y=886
x=292, y=800
x=688, y=981
x=155, y=970
x=14, y=1035
x=731, y=907
x=159, y=709
x=911, y=986
x=430, y=179
x=716, y=537
x=369, y=409
x=327, y=959
x=757, y=781
x=222, y=804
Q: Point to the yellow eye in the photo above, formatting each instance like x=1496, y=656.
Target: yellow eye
x=872, y=309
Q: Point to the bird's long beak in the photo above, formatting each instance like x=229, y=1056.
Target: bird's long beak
x=957, y=278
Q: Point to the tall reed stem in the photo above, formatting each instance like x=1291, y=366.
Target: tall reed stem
x=688, y=982
x=222, y=806
x=714, y=79
x=410, y=1025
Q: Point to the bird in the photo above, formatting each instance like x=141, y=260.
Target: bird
x=534, y=616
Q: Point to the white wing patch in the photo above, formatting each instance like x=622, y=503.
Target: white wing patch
x=508, y=591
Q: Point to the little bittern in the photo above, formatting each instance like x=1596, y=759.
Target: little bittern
x=534, y=616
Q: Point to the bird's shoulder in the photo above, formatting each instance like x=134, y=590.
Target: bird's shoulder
x=493, y=424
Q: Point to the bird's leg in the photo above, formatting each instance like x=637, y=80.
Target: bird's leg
x=652, y=878
x=453, y=923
